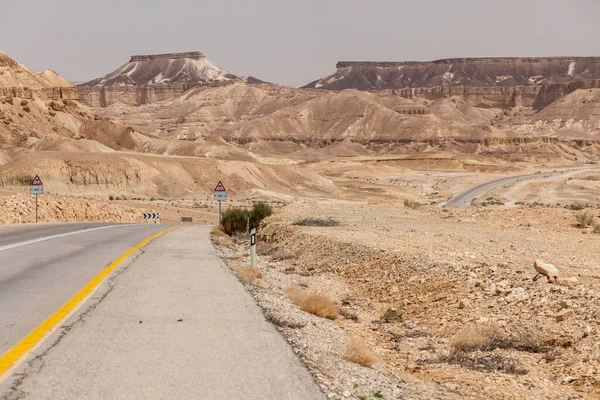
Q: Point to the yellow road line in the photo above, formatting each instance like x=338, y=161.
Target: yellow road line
x=39, y=333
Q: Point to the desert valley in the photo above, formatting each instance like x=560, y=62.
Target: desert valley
x=369, y=172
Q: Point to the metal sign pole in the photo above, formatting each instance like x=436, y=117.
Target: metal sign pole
x=36, y=208
x=219, y=212
x=253, y=248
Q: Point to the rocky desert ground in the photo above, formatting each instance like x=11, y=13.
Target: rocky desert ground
x=424, y=301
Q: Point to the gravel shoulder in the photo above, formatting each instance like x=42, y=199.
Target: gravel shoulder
x=447, y=273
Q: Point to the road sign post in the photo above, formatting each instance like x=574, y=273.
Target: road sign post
x=253, y=248
x=36, y=187
x=220, y=194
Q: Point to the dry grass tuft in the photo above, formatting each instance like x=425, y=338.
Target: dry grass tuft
x=220, y=238
x=247, y=274
x=488, y=336
x=476, y=336
x=313, y=303
x=358, y=353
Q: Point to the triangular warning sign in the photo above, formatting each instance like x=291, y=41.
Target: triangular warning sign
x=36, y=181
x=220, y=187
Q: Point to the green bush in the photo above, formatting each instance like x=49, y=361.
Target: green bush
x=411, y=204
x=260, y=211
x=584, y=219
x=234, y=220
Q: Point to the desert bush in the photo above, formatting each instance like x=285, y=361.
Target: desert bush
x=313, y=303
x=487, y=363
x=320, y=222
x=411, y=204
x=584, y=219
x=391, y=316
x=596, y=228
x=247, y=274
x=260, y=210
x=234, y=220
x=358, y=353
x=111, y=197
x=575, y=207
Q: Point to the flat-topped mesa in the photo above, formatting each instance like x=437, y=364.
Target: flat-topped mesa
x=191, y=68
x=154, y=77
x=194, y=55
x=475, y=60
x=506, y=72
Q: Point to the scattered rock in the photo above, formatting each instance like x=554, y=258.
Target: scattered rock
x=464, y=303
x=24, y=102
x=571, y=281
x=564, y=315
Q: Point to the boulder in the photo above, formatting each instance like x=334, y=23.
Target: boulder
x=548, y=270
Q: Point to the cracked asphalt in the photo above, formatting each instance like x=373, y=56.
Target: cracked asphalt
x=170, y=322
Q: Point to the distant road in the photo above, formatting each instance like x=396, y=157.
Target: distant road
x=465, y=199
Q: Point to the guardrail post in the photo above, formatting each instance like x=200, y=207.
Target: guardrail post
x=253, y=248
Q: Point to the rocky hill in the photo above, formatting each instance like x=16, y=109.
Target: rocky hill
x=150, y=78
x=17, y=80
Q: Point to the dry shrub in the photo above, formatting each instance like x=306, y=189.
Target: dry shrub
x=218, y=232
x=313, y=303
x=275, y=252
x=219, y=237
x=476, y=336
x=488, y=363
x=247, y=274
x=488, y=336
x=358, y=353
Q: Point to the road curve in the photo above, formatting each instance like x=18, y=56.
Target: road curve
x=41, y=268
x=465, y=199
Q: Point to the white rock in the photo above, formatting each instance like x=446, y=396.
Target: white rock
x=347, y=394
x=571, y=281
x=548, y=270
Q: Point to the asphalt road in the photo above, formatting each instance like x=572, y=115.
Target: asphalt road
x=171, y=322
x=465, y=199
x=38, y=278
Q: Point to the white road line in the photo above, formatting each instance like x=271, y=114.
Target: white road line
x=43, y=239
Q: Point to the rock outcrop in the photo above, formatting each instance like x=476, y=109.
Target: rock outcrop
x=18, y=81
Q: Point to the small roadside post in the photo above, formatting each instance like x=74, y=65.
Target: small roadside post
x=253, y=248
x=220, y=194
x=36, y=187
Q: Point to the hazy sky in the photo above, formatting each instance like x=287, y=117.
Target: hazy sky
x=289, y=42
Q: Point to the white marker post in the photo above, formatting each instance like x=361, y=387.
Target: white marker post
x=220, y=194
x=36, y=187
x=253, y=248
